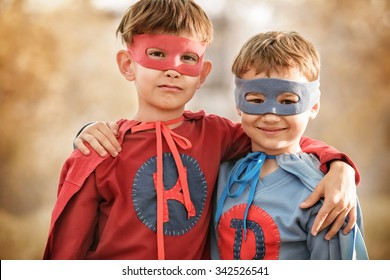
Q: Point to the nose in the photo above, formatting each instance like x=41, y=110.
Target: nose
x=269, y=117
x=171, y=73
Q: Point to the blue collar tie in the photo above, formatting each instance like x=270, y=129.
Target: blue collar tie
x=246, y=172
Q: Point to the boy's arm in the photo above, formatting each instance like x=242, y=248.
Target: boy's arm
x=327, y=154
x=101, y=136
x=338, y=188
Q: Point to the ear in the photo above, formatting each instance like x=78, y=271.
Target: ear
x=314, y=110
x=207, y=65
x=238, y=111
x=124, y=61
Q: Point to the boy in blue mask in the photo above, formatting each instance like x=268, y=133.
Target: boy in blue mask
x=257, y=212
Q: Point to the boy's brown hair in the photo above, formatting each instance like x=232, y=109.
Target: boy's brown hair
x=174, y=17
x=278, y=51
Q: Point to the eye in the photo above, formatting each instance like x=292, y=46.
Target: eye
x=189, y=58
x=288, y=98
x=155, y=53
x=254, y=97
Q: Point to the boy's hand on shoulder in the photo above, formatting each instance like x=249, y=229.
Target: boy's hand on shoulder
x=102, y=138
x=338, y=188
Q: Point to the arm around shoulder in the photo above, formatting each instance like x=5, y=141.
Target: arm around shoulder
x=328, y=155
x=101, y=136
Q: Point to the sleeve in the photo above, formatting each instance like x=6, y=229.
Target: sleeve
x=235, y=143
x=326, y=155
x=73, y=232
x=318, y=246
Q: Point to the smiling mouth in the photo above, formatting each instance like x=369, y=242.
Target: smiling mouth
x=269, y=129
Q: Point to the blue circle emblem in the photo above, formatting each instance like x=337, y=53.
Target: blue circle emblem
x=145, y=198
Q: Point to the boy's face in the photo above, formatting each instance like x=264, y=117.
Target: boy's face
x=167, y=70
x=271, y=133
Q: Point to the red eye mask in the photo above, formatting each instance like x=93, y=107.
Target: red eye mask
x=174, y=48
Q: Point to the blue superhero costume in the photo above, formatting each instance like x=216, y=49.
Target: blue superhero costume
x=261, y=219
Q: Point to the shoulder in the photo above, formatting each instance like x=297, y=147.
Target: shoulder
x=301, y=157
x=209, y=118
x=303, y=166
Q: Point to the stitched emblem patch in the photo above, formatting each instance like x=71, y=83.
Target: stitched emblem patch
x=176, y=221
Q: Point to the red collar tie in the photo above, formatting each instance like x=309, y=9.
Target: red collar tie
x=173, y=140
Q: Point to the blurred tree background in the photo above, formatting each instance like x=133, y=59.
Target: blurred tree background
x=58, y=72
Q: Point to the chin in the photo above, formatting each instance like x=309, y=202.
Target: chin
x=276, y=149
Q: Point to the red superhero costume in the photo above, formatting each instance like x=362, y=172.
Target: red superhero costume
x=154, y=199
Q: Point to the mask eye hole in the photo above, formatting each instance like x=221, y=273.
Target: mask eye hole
x=255, y=97
x=156, y=54
x=189, y=58
x=287, y=98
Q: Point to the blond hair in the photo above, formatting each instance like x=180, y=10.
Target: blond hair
x=278, y=51
x=174, y=17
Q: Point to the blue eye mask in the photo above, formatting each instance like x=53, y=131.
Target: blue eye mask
x=308, y=93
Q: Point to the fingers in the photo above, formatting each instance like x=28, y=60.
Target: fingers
x=315, y=196
x=339, y=193
x=337, y=224
x=112, y=137
x=105, y=139
x=320, y=219
x=340, y=221
x=102, y=138
x=352, y=218
x=331, y=215
x=80, y=145
x=114, y=128
x=326, y=217
x=329, y=211
x=94, y=141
